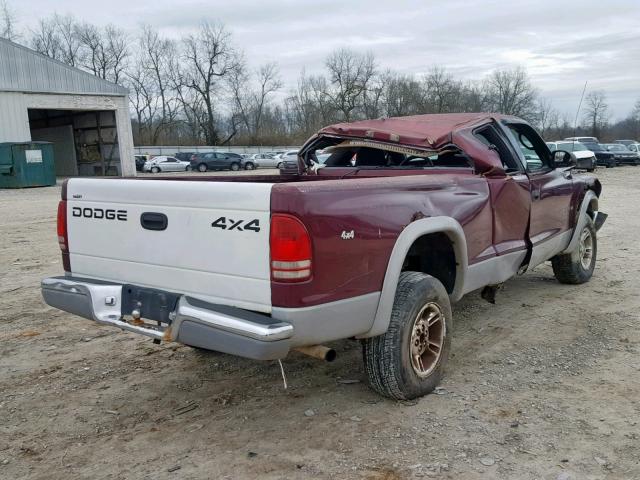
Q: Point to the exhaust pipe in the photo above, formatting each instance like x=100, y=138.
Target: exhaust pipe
x=318, y=351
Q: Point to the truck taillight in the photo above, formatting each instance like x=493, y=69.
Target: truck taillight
x=290, y=246
x=63, y=238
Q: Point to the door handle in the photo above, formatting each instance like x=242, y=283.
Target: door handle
x=535, y=194
x=154, y=221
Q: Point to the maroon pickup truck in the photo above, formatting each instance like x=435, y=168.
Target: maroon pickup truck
x=403, y=217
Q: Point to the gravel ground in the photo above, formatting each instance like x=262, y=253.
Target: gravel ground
x=543, y=385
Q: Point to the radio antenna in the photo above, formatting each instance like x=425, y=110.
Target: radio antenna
x=575, y=123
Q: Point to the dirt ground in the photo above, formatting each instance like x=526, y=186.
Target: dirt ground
x=543, y=385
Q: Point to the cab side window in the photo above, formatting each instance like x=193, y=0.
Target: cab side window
x=493, y=140
x=535, y=152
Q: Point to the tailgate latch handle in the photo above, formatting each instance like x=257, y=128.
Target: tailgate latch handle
x=153, y=221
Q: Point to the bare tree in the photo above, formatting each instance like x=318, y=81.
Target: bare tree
x=251, y=102
x=93, y=55
x=116, y=52
x=303, y=112
x=209, y=58
x=442, y=91
x=144, y=103
x=7, y=22
x=46, y=40
x=69, y=42
x=349, y=76
x=596, y=112
x=547, y=117
x=510, y=92
x=403, y=95
x=158, y=58
x=635, y=113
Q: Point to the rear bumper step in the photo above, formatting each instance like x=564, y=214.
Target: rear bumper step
x=192, y=321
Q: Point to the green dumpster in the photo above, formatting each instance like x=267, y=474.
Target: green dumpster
x=27, y=165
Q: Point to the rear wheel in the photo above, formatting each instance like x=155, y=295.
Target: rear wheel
x=235, y=167
x=202, y=167
x=408, y=360
x=577, y=266
x=155, y=170
x=279, y=165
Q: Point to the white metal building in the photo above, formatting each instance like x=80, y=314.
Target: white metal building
x=85, y=117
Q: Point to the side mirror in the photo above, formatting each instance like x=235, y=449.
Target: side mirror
x=563, y=159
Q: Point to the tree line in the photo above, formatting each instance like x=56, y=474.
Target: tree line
x=200, y=90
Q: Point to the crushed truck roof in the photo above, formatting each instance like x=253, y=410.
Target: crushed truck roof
x=423, y=131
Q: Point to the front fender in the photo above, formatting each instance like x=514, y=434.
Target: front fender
x=407, y=237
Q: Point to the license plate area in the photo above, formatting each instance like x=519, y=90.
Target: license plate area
x=152, y=304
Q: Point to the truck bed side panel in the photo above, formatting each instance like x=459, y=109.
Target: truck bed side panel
x=376, y=210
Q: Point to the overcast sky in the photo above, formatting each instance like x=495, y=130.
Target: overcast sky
x=562, y=43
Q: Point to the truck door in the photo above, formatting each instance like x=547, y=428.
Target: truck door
x=509, y=198
x=550, y=190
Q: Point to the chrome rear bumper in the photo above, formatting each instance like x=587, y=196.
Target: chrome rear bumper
x=192, y=322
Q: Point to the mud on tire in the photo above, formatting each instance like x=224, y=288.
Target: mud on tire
x=391, y=360
x=577, y=267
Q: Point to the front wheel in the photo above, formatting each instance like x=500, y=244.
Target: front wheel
x=577, y=266
x=202, y=167
x=155, y=170
x=408, y=360
x=187, y=168
x=249, y=166
x=279, y=165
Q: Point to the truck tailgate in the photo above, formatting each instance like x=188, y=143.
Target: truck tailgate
x=215, y=245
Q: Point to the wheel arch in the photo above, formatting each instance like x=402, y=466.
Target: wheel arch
x=405, y=241
x=588, y=208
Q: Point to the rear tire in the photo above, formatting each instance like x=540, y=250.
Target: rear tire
x=202, y=167
x=408, y=360
x=187, y=168
x=235, y=167
x=279, y=165
x=577, y=266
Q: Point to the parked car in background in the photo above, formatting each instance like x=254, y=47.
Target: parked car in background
x=184, y=156
x=622, y=154
x=626, y=143
x=585, y=158
x=288, y=156
x=582, y=139
x=264, y=160
x=166, y=164
x=249, y=163
x=603, y=156
x=217, y=161
x=634, y=147
x=140, y=161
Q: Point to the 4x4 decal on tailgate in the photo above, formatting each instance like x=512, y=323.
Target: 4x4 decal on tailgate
x=230, y=224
